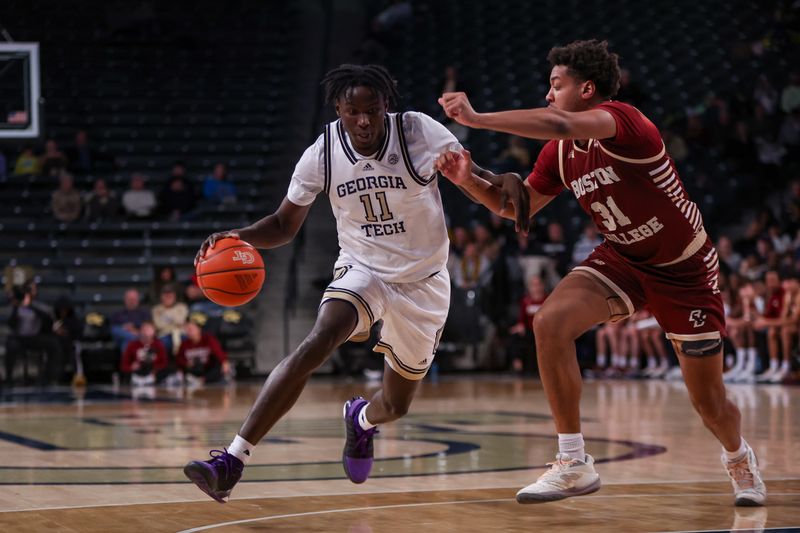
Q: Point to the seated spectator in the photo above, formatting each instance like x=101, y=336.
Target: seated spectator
x=66, y=202
x=31, y=328
x=67, y=326
x=201, y=357
x=101, y=204
x=217, y=189
x=164, y=275
x=28, y=163
x=523, y=344
x=126, y=323
x=515, y=158
x=472, y=270
x=169, y=317
x=178, y=197
x=197, y=301
x=83, y=157
x=555, y=247
x=54, y=162
x=586, y=243
x=139, y=201
x=145, y=358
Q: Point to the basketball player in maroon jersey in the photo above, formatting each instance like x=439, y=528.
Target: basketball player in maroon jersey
x=656, y=252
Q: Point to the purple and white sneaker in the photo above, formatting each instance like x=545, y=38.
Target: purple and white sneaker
x=357, y=455
x=217, y=476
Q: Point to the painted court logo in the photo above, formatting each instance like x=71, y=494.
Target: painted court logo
x=244, y=257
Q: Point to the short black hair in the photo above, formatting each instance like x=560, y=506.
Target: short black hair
x=337, y=81
x=589, y=60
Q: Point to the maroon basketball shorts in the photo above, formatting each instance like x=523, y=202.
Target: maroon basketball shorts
x=683, y=297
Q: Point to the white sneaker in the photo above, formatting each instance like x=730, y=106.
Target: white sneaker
x=748, y=487
x=779, y=376
x=143, y=381
x=566, y=477
x=766, y=376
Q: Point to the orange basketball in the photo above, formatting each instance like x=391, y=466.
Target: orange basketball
x=231, y=273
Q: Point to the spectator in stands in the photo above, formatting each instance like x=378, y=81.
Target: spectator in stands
x=127, y=322
x=586, y=243
x=201, y=357
x=452, y=82
x=165, y=274
x=83, y=158
x=169, y=317
x=217, y=188
x=523, y=344
x=516, y=157
x=773, y=309
x=28, y=163
x=66, y=202
x=31, y=328
x=197, y=301
x=472, y=270
x=790, y=96
x=178, y=197
x=67, y=326
x=139, y=202
x=101, y=204
x=555, y=247
x=54, y=162
x=145, y=358
x=727, y=255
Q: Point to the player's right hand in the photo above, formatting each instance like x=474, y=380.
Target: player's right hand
x=212, y=240
x=455, y=166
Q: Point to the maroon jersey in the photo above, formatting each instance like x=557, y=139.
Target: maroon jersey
x=628, y=185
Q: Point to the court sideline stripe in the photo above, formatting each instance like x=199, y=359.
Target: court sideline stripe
x=363, y=493
x=453, y=502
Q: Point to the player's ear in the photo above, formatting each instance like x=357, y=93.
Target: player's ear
x=588, y=90
x=338, y=114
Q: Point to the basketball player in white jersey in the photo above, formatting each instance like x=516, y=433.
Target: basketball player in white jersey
x=376, y=168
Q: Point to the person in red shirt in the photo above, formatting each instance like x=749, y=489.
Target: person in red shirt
x=145, y=358
x=523, y=353
x=656, y=252
x=201, y=357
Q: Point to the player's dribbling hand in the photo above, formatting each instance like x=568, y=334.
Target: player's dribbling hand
x=457, y=107
x=212, y=240
x=455, y=166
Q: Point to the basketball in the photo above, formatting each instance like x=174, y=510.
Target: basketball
x=231, y=273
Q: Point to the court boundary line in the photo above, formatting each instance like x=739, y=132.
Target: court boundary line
x=453, y=502
x=363, y=493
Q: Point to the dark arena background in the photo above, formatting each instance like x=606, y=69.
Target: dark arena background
x=132, y=130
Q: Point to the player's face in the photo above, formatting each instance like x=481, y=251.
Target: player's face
x=362, y=111
x=567, y=92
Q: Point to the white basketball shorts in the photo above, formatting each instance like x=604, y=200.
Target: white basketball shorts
x=413, y=314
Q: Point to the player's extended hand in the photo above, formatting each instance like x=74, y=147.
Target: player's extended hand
x=457, y=107
x=455, y=166
x=212, y=240
x=513, y=191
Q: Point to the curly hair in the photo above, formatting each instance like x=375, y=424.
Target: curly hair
x=337, y=81
x=589, y=60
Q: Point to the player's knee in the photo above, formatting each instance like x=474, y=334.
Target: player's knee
x=701, y=348
x=548, y=324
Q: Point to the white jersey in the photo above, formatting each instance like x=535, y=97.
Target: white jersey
x=387, y=206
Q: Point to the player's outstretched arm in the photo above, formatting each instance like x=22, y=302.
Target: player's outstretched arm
x=271, y=231
x=457, y=167
x=537, y=123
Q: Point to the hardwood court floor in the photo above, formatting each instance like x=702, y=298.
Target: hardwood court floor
x=107, y=462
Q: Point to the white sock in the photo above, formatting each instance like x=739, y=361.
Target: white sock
x=651, y=362
x=241, y=449
x=572, y=445
x=618, y=360
x=785, y=366
x=741, y=357
x=750, y=367
x=601, y=360
x=773, y=365
x=738, y=454
x=362, y=419
x=633, y=362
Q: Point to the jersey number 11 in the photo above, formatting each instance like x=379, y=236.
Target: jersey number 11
x=382, y=203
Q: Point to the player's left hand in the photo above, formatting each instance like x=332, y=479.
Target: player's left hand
x=513, y=191
x=455, y=166
x=457, y=107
